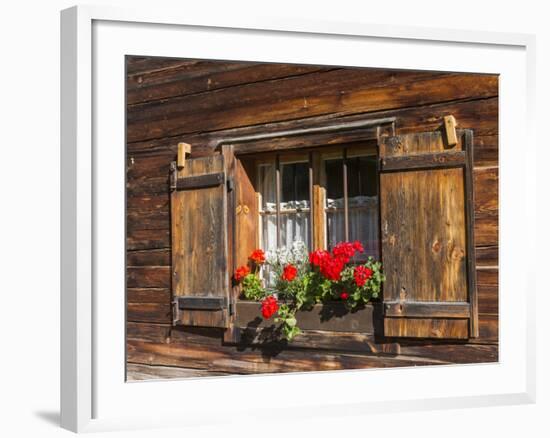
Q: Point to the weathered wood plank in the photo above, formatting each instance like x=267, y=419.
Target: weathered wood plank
x=458, y=353
x=140, y=372
x=426, y=328
x=253, y=361
x=149, y=312
x=486, y=190
x=424, y=161
x=150, y=64
x=317, y=340
x=488, y=329
x=426, y=309
x=480, y=115
x=182, y=81
x=148, y=276
x=147, y=239
x=487, y=256
x=138, y=295
x=486, y=229
x=166, y=333
x=487, y=286
x=158, y=219
x=414, y=271
x=299, y=97
x=148, y=257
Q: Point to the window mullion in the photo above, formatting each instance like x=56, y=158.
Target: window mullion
x=346, y=208
x=311, y=213
x=278, y=199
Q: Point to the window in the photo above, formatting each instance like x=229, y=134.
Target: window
x=225, y=205
x=343, y=182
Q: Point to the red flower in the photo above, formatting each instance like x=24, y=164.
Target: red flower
x=289, y=273
x=346, y=250
x=269, y=306
x=332, y=267
x=316, y=258
x=361, y=275
x=358, y=246
x=344, y=295
x=257, y=256
x=241, y=272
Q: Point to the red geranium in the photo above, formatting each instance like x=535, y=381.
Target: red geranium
x=241, y=272
x=257, y=256
x=317, y=257
x=289, y=272
x=358, y=246
x=361, y=275
x=344, y=295
x=346, y=250
x=269, y=306
x=331, y=268
x=329, y=265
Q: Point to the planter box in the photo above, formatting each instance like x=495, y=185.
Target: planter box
x=332, y=316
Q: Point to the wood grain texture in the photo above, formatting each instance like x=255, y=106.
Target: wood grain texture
x=297, y=98
x=199, y=242
x=205, y=76
x=246, y=230
x=427, y=328
x=426, y=250
x=253, y=361
x=200, y=102
x=425, y=259
x=329, y=317
x=139, y=372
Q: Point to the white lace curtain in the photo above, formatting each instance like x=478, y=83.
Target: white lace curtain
x=295, y=225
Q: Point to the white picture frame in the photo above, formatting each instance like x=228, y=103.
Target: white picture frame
x=94, y=396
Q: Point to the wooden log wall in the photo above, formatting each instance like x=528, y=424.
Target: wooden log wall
x=198, y=102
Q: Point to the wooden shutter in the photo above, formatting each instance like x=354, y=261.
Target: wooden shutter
x=428, y=256
x=201, y=259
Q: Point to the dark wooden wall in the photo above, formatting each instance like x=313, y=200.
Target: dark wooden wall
x=198, y=102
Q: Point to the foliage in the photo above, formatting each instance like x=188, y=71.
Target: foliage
x=297, y=280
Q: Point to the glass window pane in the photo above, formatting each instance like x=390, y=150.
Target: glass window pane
x=334, y=179
x=295, y=227
x=335, y=228
x=267, y=186
x=362, y=202
x=294, y=185
x=269, y=232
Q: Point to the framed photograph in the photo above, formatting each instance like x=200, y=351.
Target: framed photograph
x=319, y=212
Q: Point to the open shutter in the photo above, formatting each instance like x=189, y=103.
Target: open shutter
x=200, y=242
x=428, y=256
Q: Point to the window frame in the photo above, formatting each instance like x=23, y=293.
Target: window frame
x=365, y=320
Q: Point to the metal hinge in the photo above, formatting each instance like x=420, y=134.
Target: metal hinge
x=230, y=184
x=202, y=303
x=175, y=312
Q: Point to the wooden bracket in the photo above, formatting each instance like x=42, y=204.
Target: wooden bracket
x=183, y=150
x=450, y=130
